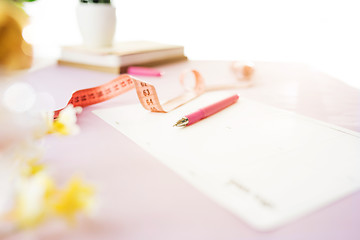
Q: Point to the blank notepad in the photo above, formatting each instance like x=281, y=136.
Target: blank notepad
x=265, y=165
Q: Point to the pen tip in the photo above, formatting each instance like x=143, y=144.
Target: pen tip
x=182, y=122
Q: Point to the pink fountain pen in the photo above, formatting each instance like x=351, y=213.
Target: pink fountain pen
x=206, y=111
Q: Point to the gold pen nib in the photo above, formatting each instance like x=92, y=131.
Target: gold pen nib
x=182, y=122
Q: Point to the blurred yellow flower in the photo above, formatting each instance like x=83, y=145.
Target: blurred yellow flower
x=32, y=167
x=38, y=199
x=15, y=52
x=65, y=124
x=75, y=198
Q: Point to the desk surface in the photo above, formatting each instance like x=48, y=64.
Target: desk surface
x=142, y=199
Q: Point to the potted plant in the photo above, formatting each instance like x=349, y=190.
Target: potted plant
x=97, y=22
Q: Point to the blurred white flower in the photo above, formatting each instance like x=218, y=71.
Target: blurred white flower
x=28, y=194
x=65, y=124
x=30, y=206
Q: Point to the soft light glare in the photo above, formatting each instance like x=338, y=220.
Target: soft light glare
x=28, y=34
x=19, y=97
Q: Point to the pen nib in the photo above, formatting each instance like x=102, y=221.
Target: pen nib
x=182, y=122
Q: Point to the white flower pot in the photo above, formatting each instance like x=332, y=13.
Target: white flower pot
x=97, y=24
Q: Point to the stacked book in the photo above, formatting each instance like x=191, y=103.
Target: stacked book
x=121, y=55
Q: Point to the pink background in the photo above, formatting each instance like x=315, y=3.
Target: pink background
x=139, y=198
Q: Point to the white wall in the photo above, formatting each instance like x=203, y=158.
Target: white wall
x=323, y=33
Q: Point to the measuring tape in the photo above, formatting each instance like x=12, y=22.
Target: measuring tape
x=146, y=92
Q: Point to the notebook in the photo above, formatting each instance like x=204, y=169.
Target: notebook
x=265, y=165
x=115, y=59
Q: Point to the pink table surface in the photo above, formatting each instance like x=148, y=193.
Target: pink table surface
x=142, y=199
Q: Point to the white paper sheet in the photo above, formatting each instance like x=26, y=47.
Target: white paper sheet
x=265, y=165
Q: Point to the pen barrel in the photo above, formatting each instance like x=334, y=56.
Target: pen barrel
x=195, y=117
x=218, y=106
x=211, y=109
